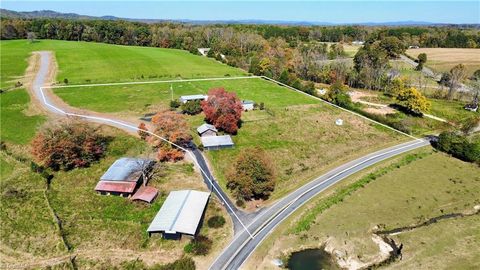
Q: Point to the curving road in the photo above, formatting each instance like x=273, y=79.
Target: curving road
x=240, y=248
x=260, y=223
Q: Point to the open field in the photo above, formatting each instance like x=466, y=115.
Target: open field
x=297, y=131
x=88, y=62
x=99, y=229
x=403, y=193
x=18, y=123
x=443, y=59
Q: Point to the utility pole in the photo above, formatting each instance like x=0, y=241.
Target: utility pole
x=171, y=90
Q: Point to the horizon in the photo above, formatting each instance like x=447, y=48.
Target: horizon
x=340, y=12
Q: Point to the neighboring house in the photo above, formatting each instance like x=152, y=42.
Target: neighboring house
x=123, y=177
x=203, y=51
x=185, y=99
x=207, y=130
x=247, y=105
x=217, y=142
x=414, y=47
x=181, y=214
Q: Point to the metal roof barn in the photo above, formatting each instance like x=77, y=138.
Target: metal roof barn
x=181, y=213
x=116, y=187
x=201, y=129
x=217, y=142
x=125, y=169
x=184, y=99
x=146, y=194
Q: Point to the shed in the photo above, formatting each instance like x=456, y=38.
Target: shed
x=203, y=51
x=185, y=99
x=181, y=214
x=217, y=142
x=207, y=130
x=248, y=105
x=123, y=176
x=146, y=194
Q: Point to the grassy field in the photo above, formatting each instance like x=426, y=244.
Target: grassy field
x=443, y=59
x=405, y=194
x=87, y=62
x=298, y=131
x=99, y=229
x=18, y=125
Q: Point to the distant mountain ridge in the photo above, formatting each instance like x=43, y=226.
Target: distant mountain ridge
x=59, y=15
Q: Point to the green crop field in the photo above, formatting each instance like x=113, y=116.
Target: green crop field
x=406, y=193
x=87, y=62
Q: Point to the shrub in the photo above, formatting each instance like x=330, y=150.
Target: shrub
x=458, y=146
x=67, y=145
x=174, y=104
x=413, y=101
x=216, y=222
x=191, y=107
x=201, y=245
x=141, y=132
x=65, y=81
x=240, y=203
x=252, y=175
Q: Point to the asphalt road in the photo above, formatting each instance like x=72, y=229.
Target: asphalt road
x=238, y=251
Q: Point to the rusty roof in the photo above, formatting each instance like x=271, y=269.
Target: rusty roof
x=116, y=186
x=147, y=194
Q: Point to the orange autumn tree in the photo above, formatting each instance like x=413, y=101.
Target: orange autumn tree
x=68, y=144
x=174, y=128
x=223, y=109
x=142, y=128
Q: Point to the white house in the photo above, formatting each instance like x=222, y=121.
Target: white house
x=185, y=99
x=247, y=105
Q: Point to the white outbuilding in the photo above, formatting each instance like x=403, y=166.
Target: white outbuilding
x=217, y=142
x=180, y=214
x=185, y=99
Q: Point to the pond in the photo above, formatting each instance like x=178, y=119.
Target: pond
x=311, y=259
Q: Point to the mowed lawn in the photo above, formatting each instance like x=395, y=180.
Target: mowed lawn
x=298, y=131
x=406, y=195
x=17, y=124
x=443, y=59
x=88, y=62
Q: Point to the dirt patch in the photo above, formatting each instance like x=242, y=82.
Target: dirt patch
x=380, y=110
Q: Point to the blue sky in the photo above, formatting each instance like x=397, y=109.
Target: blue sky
x=315, y=11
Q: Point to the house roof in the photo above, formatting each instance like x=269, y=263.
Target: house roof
x=116, y=186
x=201, y=129
x=125, y=169
x=193, y=97
x=145, y=193
x=181, y=212
x=210, y=141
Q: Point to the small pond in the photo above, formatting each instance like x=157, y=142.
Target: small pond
x=311, y=259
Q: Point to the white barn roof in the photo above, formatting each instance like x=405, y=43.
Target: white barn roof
x=193, y=97
x=212, y=141
x=181, y=212
x=201, y=129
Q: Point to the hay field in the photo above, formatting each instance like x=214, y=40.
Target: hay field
x=443, y=59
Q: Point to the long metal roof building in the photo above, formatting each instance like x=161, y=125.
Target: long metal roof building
x=217, y=142
x=181, y=213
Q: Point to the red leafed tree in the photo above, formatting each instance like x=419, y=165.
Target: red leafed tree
x=173, y=127
x=141, y=132
x=223, y=109
x=67, y=145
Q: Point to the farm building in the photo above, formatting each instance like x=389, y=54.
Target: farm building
x=247, y=105
x=217, y=142
x=207, y=130
x=181, y=214
x=146, y=194
x=123, y=176
x=185, y=99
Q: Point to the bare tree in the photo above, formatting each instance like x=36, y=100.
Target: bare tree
x=457, y=75
x=31, y=36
